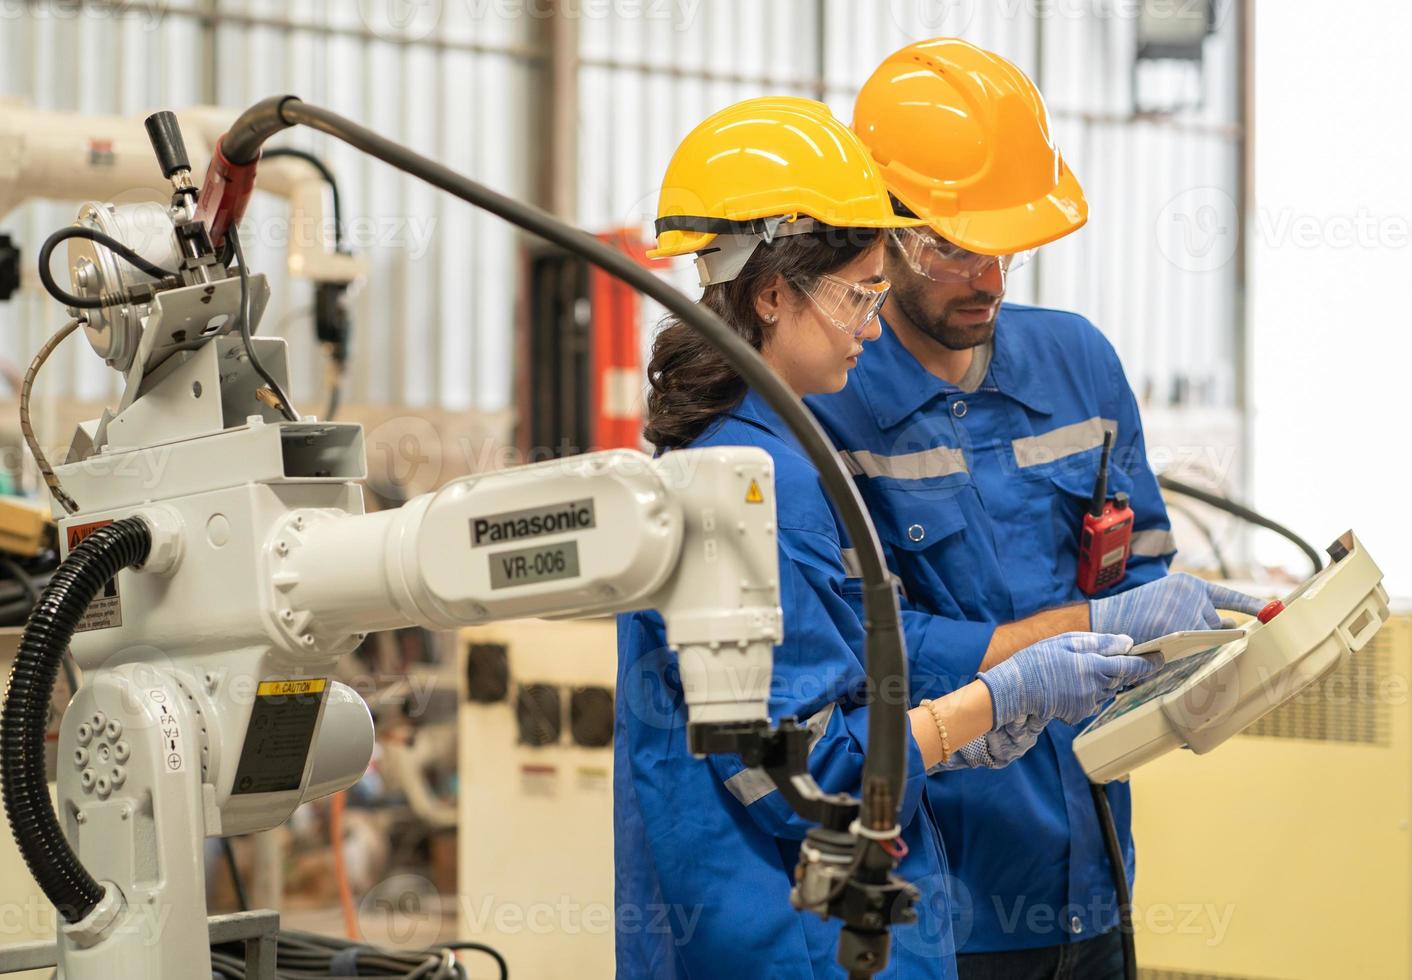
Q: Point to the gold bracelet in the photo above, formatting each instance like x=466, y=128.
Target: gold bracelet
x=930, y=705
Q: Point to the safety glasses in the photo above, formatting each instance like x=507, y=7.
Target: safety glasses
x=850, y=306
x=941, y=261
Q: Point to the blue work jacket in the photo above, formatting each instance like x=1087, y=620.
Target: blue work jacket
x=979, y=500
x=705, y=849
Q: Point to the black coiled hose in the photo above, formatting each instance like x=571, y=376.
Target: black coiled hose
x=80, y=578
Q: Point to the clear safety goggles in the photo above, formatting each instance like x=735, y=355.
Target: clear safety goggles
x=934, y=257
x=850, y=306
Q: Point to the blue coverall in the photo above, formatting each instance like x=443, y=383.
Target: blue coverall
x=979, y=499
x=705, y=849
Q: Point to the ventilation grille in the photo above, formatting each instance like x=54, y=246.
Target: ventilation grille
x=1353, y=704
x=1180, y=975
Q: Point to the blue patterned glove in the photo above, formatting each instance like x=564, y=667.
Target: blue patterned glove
x=1168, y=605
x=1065, y=677
x=999, y=748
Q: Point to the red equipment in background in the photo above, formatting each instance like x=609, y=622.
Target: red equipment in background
x=580, y=370
x=615, y=334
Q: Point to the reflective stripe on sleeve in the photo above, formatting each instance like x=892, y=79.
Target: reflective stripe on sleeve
x=1154, y=543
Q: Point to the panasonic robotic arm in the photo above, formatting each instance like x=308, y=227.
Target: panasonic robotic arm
x=218, y=562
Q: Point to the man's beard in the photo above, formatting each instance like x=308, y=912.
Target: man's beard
x=950, y=335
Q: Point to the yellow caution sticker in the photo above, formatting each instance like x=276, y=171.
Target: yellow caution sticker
x=753, y=495
x=314, y=685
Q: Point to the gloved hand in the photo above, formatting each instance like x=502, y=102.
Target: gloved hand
x=1168, y=605
x=1065, y=677
x=997, y=749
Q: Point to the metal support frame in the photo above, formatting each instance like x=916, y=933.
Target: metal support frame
x=258, y=929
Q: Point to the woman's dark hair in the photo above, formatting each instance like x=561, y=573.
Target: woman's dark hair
x=692, y=384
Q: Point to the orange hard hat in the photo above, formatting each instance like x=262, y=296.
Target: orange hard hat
x=961, y=137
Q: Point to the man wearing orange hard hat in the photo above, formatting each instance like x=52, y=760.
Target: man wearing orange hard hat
x=977, y=430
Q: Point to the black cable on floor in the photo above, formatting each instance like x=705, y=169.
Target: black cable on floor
x=482, y=948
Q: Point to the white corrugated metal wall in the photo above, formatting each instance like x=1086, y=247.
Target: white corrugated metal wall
x=434, y=324
x=1168, y=304
x=458, y=78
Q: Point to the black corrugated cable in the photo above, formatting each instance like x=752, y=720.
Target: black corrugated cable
x=31, y=590
x=25, y=719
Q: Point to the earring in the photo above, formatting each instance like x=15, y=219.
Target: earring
x=771, y=318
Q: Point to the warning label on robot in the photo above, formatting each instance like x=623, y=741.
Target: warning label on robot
x=282, y=725
x=106, y=609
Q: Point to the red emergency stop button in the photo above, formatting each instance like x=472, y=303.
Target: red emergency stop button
x=1272, y=610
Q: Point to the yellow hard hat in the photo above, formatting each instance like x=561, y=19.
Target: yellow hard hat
x=779, y=157
x=961, y=137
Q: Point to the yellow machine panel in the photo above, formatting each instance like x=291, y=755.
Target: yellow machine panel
x=1286, y=853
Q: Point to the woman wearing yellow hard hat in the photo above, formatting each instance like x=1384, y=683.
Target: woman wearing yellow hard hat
x=784, y=213
x=983, y=424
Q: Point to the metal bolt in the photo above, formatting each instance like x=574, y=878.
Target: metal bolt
x=84, y=274
x=287, y=615
x=308, y=639
x=282, y=547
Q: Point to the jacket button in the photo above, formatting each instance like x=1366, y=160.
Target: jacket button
x=1076, y=925
x=916, y=532
x=958, y=409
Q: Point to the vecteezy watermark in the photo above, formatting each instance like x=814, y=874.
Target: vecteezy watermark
x=145, y=12
x=410, y=233
x=1195, y=919
x=1285, y=227
x=407, y=910
x=415, y=20
x=954, y=17
x=1199, y=229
